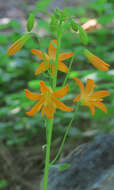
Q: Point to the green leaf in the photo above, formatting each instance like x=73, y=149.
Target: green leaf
x=42, y=5
x=3, y=183
x=34, y=84
x=44, y=147
x=61, y=167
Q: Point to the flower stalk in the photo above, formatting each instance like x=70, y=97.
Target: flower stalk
x=50, y=122
x=59, y=32
x=48, y=147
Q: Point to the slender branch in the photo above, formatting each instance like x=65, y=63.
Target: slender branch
x=65, y=136
x=70, y=65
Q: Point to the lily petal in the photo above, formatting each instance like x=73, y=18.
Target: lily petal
x=36, y=108
x=80, y=84
x=89, y=85
x=62, y=67
x=52, y=49
x=91, y=107
x=61, y=105
x=62, y=92
x=42, y=67
x=64, y=56
x=39, y=54
x=99, y=94
x=43, y=87
x=32, y=96
x=101, y=106
x=77, y=98
x=49, y=113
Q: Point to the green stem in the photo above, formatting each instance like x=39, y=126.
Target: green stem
x=50, y=122
x=57, y=54
x=66, y=133
x=47, y=160
x=67, y=75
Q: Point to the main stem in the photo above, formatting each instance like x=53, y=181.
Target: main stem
x=50, y=121
x=57, y=53
x=47, y=160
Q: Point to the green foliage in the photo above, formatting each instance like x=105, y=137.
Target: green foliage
x=42, y=5
x=3, y=183
x=61, y=167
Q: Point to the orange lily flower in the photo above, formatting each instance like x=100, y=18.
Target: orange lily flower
x=47, y=100
x=97, y=62
x=51, y=56
x=90, y=98
x=16, y=46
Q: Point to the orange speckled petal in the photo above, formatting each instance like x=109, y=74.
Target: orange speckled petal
x=43, y=111
x=52, y=49
x=62, y=67
x=64, y=56
x=77, y=98
x=42, y=67
x=62, y=92
x=61, y=105
x=91, y=107
x=100, y=105
x=39, y=54
x=43, y=87
x=80, y=84
x=32, y=96
x=36, y=108
x=46, y=110
x=96, y=61
x=89, y=85
x=99, y=94
x=49, y=111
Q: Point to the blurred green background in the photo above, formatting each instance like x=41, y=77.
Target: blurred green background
x=17, y=72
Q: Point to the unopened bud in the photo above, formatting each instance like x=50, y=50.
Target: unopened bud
x=16, y=46
x=83, y=36
x=30, y=22
x=74, y=25
x=57, y=13
x=53, y=23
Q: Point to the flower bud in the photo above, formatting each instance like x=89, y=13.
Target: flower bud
x=57, y=13
x=74, y=25
x=96, y=61
x=53, y=23
x=16, y=46
x=83, y=36
x=30, y=22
